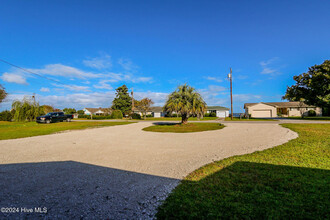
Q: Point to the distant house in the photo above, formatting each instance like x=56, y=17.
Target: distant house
x=155, y=111
x=97, y=111
x=275, y=109
x=221, y=112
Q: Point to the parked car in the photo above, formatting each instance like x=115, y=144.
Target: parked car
x=54, y=117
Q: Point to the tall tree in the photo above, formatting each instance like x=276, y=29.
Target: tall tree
x=27, y=109
x=186, y=101
x=144, y=106
x=313, y=87
x=3, y=93
x=123, y=101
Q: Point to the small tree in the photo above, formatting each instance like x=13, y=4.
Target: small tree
x=123, y=101
x=26, y=110
x=144, y=106
x=3, y=93
x=47, y=108
x=186, y=101
x=69, y=110
x=80, y=112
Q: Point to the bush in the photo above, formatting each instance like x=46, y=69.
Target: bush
x=6, y=116
x=311, y=113
x=149, y=116
x=212, y=114
x=116, y=114
x=136, y=116
x=207, y=115
x=84, y=116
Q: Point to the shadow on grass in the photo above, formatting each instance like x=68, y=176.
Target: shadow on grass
x=166, y=123
x=73, y=190
x=246, y=190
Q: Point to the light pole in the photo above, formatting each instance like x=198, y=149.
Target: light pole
x=230, y=76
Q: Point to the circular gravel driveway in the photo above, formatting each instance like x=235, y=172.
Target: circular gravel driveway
x=118, y=172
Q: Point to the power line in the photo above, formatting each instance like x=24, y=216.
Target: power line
x=26, y=70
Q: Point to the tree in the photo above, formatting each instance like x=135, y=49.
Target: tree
x=80, y=112
x=3, y=93
x=69, y=110
x=47, y=108
x=123, y=101
x=313, y=87
x=186, y=101
x=27, y=109
x=144, y=106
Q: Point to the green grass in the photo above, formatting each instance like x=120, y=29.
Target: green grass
x=290, y=181
x=310, y=118
x=184, y=128
x=179, y=119
x=251, y=119
x=11, y=130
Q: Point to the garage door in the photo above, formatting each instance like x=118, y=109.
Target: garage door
x=221, y=114
x=261, y=114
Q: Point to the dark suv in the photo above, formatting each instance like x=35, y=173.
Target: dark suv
x=54, y=117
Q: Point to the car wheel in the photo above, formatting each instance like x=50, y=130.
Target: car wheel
x=47, y=121
x=68, y=119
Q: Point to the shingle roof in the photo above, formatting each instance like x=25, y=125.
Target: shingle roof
x=156, y=109
x=93, y=110
x=280, y=104
x=216, y=108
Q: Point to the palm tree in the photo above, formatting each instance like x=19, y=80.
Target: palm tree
x=186, y=101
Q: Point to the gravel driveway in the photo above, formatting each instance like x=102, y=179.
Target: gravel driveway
x=118, y=172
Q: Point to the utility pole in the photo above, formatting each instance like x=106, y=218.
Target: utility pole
x=230, y=75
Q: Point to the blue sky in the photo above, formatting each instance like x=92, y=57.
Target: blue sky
x=92, y=47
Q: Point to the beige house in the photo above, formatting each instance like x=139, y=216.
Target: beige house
x=97, y=111
x=279, y=109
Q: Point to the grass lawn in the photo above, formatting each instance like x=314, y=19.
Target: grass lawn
x=251, y=119
x=11, y=130
x=180, y=128
x=179, y=119
x=310, y=118
x=290, y=181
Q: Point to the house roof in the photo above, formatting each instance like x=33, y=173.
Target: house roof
x=216, y=108
x=93, y=110
x=156, y=109
x=280, y=104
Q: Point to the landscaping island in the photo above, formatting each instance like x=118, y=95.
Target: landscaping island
x=290, y=181
x=183, y=128
x=12, y=130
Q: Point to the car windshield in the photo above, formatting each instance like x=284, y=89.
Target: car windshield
x=49, y=114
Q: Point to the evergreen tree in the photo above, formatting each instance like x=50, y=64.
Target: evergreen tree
x=123, y=101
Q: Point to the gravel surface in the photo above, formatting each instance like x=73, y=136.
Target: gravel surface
x=118, y=172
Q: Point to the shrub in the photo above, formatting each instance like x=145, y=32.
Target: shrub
x=84, y=116
x=212, y=114
x=207, y=115
x=80, y=112
x=6, y=116
x=149, y=116
x=136, y=116
x=311, y=113
x=116, y=114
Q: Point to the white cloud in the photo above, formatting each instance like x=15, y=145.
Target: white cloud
x=65, y=71
x=14, y=78
x=43, y=89
x=103, y=84
x=246, y=97
x=214, y=79
x=127, y=65
x=101, y=62
x=159, y=98
x=72, y=87
x=213, y=88
x=267, y=68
